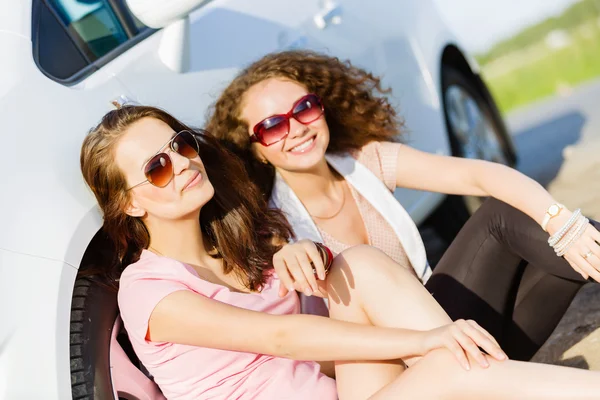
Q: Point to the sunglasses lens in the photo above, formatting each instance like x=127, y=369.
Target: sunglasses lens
x=308, y=109
x=272, y=130
x=185, y=144
x=159, y=170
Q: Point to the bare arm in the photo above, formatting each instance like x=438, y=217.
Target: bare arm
x=453, y=175
x=423, y=171
x=188, y=318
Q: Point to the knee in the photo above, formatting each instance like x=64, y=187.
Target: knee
x=438, y=360
x=442, y=366
x=365, y=262
x=359, y=254
x=350, y=262
x=432, y=377
x=360, y=258
x=494, y=208
x=499, y=217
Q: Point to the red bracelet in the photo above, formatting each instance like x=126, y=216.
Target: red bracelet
x=326, y=255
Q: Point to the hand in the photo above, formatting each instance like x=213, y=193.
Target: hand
x=460, y=337
x=588, y=244
x=293, y=266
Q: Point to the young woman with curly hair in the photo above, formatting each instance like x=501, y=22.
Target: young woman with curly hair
x=321, y=139
x=200, y=300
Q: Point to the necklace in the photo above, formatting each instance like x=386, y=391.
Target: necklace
x=343, y=202
x=155, y=251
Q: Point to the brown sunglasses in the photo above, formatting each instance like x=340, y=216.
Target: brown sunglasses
x=159, y=168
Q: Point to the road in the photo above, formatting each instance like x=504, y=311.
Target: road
x=541, y=133
x=543, y=130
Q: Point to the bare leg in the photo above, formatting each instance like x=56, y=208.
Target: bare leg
x=438, y=376
x=365, y=286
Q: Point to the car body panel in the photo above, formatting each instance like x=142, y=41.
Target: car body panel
x=46, y=206
x=35, y=295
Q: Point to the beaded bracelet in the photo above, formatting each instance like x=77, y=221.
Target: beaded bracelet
x=567, y=241
x=576, y=237
x=568, y=238
x=571, y=232
x=554, y=239
x=564, y=251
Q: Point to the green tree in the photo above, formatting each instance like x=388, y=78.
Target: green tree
x=572, y=17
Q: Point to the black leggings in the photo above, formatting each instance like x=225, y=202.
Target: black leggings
x=500, y=272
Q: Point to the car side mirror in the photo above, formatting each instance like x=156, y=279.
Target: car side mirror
x=160, y=13
x=173, y=16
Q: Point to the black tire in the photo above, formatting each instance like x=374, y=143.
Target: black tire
x=453, y=213
x=452, y=77
x=90, y=333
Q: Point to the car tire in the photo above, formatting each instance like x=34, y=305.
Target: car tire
x=90, y=333
x=475, y=130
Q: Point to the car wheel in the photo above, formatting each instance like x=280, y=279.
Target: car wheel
x=91, y=329
x=474, y=131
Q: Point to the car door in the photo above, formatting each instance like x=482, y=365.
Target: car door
x=378, y=36
x=338, y=29
x=225, y=35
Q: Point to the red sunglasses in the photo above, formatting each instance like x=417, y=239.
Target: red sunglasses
x=275, y=128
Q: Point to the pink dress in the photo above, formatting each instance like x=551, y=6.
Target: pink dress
x=191, y=372
x=381, y=158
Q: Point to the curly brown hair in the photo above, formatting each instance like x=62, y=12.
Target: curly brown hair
x=356, y=108
x=237, y=222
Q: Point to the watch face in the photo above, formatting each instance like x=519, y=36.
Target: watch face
x=553, y=210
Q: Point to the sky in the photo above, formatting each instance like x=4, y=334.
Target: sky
x=481, y=23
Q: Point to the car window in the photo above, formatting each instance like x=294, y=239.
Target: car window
x=93, y=24
x=72, y=38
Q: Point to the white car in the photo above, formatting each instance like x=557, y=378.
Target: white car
x=64, y=62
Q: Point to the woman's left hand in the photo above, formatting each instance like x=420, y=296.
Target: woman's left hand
x=584, y=254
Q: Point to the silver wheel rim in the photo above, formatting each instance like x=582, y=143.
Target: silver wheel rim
x=473, y=129
x=474, y=132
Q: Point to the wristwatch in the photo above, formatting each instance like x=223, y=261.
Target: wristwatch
x=551, y=212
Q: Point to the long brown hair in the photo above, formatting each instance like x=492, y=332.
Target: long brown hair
x=356, y=108
x=237, y=222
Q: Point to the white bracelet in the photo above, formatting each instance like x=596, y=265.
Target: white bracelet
x=570, y=232
x=565, y=240
x=575, y=238
x=554, y=239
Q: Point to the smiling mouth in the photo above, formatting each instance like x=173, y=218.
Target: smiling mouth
x=193, y=181
x=303, y=146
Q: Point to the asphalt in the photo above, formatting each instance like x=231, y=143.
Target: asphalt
x=558, y=142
